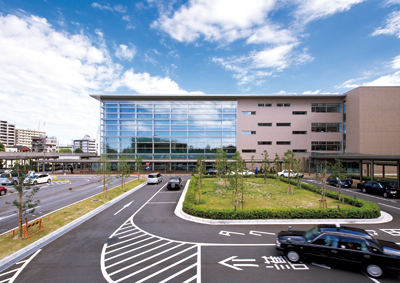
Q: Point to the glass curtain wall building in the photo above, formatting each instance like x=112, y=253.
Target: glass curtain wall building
x=160, y=130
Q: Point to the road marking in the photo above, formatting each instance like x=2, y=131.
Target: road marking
x=258, y=233
x=369, y=195
x=373, y=279
x=227, y=233
x=18, y=270
x=155, y=202
x=4, y=217
x=235, y=266
x=389, y=206
x=125, y=206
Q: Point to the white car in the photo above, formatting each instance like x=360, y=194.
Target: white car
x=154, y=178
x=37, y=179
x=245, y=172
x=285, y=173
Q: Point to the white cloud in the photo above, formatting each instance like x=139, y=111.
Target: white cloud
x=312, y=92
x=311, y=10
x=47, y=75
x=116, y=8
x=392, y=25
x=215, y=20
x=123, y=52
x=143, y=83
x=392, y=2
x=272, y=35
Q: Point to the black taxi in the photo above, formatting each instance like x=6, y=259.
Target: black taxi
x=346, y=245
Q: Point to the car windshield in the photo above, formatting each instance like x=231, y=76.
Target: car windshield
x=33, y=176
x=152, y=176
x=174, y=180
x=311, y=234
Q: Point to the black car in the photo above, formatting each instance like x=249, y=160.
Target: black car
x=333, y=181
x=174, y=183
x=386, y=189
x=212, y=171
x=343, y=245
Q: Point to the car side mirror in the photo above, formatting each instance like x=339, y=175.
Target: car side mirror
x=289, y=240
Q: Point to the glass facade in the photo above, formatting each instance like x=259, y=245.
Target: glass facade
x=168, y=129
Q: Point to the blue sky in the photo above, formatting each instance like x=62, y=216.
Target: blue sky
x=53, y=54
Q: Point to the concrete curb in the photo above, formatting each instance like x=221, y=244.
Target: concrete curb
x=384, y=218
x=17, y=256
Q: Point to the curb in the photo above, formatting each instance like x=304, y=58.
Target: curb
x=17, y=256
x=384, y=218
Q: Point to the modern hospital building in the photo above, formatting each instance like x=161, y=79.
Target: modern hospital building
x=180, y=128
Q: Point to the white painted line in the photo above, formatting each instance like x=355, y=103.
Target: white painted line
x=178, y=273
x=4, y=217
x=191, y=279
x=258, y=233
x=198, y=264
x=8, y=272
x=131, y=240
x=132, y=250
x=154, y=264
x=124, y=247
x=373, y=279
x=129, y=235
x=23, y=266
x=227, y=233
x=154, y=202
x=125, y=206
x=166, y=268
x=123, y=232
x=389, y=206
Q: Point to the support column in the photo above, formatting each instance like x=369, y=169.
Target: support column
x=361, y=169
x=383, y=171
x=63, y=165
x=372, y=170
x=398, y=174
x=368, y=172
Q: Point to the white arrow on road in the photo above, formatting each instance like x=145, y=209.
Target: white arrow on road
x=227, y=233
x=125, y=206
x=258, y=233
x=235, y=266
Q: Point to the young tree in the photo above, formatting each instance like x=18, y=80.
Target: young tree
x=24, y=205
x=322, y=179
x=221, y=162
x=253, y=164
x=236, y=178
x=288, y=160
x=338, y=171
x=276, y=160
x=139, y=165
x=199, y=170
x=105, y=173
x=2, y=146
x=297, y=168
x=123, y=168
x=265, y=165
x=78, y=150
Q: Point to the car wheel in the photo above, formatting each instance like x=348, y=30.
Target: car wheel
x=293, y=256
x=385, y=195
x=2, y=192
x=282, y=175
x=49, y=181
x=374, y=271
x=35, y=183
x=364, y=190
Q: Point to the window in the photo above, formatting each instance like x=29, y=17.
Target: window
x=283, y=124
x=248, y=132
x=283, y=143
x=264, y=124
x=299, y=150
x=283, y=104
x=248, y=112
x=299, y=132
x=326, y=146
x=248, y=150
x=268, y=105
x=326, y=127
x=264, y=143
x=299, y=112
x=326, y=107
x=260, y=104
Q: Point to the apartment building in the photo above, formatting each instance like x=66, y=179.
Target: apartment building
x=44, y=143
x=24, y=136
x=87, y=144
x=7, y=133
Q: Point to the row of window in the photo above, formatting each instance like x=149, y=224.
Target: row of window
x=168, y=128
x=173, y=116
x=163, y=140
x=169, y=133
x=315, y=127
x=315, y=107
x=315, y=146
x=269, y=104
x=253, y=150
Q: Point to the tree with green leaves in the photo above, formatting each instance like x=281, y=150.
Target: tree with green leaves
x=123, y=169
x=105, y=173
x=252, y=166
x=2, y=146
x=288, y=160
x=322, y=179
x=265, y=165
x=236, y=176
x=276, y=162
x=297, y=168
x=25, y=203
x=65, y=150
x=139, y=165
x=78, y=150
x=338, y=171
x=221, y=162
x=199, y=171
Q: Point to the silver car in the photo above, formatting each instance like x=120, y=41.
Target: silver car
x=154, y=178
x=6, y=179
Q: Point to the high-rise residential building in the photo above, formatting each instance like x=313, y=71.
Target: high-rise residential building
x=183, y=127
x=87, y=144
x=7, y=133
x=24, y=137
x=44, y=143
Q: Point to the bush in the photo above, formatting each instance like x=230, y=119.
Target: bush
x=362, y=210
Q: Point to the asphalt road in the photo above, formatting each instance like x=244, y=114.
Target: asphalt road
x=52, y=196
x=147, y=242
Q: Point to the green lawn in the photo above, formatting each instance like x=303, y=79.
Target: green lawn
x=259, y=195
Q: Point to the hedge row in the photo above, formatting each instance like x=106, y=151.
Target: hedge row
x=362, y=209
x=366, y=178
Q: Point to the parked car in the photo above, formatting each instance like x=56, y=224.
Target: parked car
x=174, y=183
x=285, y=173
x=3, y=191
x=245, y=172
x=342, y=245
x=154, y=178
x=212, y=171
x=6, y=179
x=383, y=188
x=37, y=179
x=333, y=181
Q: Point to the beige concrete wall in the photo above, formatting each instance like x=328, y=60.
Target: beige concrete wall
x=373, y=120
x=275, y=115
